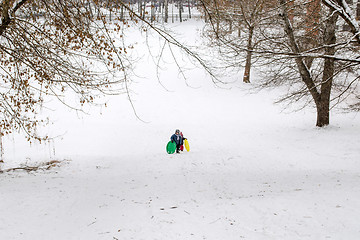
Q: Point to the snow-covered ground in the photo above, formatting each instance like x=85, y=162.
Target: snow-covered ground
x=253, y=172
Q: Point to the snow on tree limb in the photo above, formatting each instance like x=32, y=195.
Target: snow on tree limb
x=344, y=11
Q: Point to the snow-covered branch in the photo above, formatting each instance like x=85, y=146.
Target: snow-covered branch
x=341, y=7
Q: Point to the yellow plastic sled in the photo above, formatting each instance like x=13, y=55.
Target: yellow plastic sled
x=186, y=143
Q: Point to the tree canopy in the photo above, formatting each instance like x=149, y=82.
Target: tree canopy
x=49, y=47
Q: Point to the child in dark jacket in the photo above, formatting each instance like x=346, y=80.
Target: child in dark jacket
x=178, y=139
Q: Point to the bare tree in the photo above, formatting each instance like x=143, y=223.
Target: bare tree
x=53, y=48
x=48, y=47
x=248, y=15
x=251, y=13
x=299, y=45
x=333, y=76
x=320, y=93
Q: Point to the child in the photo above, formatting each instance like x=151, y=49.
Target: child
x=182, y=142
x=178, y=139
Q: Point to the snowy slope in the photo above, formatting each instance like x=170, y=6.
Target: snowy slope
x=253, y=172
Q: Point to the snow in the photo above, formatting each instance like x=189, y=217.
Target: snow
x=253, y=171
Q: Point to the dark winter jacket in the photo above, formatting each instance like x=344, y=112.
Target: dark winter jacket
x=177, y=139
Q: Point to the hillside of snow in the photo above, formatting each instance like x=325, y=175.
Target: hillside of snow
x=253, y=171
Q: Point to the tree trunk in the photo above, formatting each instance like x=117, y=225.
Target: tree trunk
x=189, y=8
x=144, y=10
x=166, y=10
x=110, y=10
x=152, y=11
x=1, y=151
x=180, y=10
x=172, y=11
x=122, y=13
x=246, y=78
x=140, y=8
x=323, y=104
